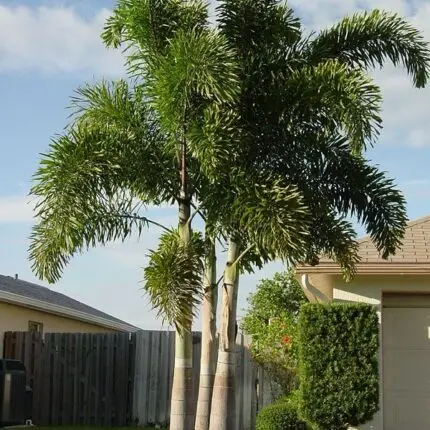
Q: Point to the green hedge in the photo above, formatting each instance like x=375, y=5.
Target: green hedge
x=338, y=359
x=282, y=415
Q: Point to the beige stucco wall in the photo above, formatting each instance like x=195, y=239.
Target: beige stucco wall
x=369, y=289
x=16, y=318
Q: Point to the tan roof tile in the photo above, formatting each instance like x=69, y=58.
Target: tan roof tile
x=415, y=250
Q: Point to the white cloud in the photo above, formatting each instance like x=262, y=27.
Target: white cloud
x=415, y=182
x=405, y=109
x=54, y=40
x=20, y=209
x=57, y=39
x=16, y=209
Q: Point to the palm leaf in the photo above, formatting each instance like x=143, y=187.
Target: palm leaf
x=273, y=214
x=337, y=98
x=368, y=39
x=173, y=278
x=133, y=136
x=86, y=194
x=198, y=69
x=148, y=25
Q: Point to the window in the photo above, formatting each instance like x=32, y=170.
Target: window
x=34, y=326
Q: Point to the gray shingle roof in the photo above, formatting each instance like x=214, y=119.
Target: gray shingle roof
x=44, y=294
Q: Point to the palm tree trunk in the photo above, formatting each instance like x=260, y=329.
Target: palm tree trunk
x=208, y=353
x=182, y=411
x=223, y=411
x=182, y=405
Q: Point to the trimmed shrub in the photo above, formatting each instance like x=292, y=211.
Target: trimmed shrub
x=271, y=320
x=282, y=415
x=338, y=356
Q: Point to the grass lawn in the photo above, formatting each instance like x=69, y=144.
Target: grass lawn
x=98, y=428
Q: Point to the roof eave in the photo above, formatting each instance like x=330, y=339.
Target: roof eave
x=64, y=312
x=383, y=268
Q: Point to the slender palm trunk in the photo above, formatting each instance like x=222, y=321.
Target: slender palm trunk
x=208, y=354
x=223, y=411
x=182, y=411
x=182, y=406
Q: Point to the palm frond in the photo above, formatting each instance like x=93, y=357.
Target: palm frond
x=361, y=190
x=150, y=24
x=199, y=69
x=144, y=29
x=334, y=237
x=215, y=139
x=337, y=185
x=131, y=135
x=113, y=101
x=173, y=278
x=255, y=25
x=87, y=193
x=66, y=231
x=273, y=215
x=368, y=39
x=337, y=97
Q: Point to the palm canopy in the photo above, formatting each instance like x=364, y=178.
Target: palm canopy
x=308, y=109
x=121, y=152
x=127, y=144
x=273, y=136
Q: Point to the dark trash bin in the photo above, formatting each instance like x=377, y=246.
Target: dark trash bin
x=28, y=404
x=13, y=393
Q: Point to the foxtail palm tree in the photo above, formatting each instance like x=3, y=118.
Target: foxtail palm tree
x=308, y=110
x=208, y=339
x=130, y=145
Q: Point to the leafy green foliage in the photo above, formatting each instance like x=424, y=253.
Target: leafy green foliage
x=148, y=25
x=214, y=139
x=129, y=135
x=115, y=157
x=367, y=39
x=282, y=415
x=255, y=95
x=274, y=297
x=338, y=364
x=348, y=96
x=82, y=198
x=271, y=321
x=198, y=69
x=173, y=277
x=274, y=215
x=307, y=112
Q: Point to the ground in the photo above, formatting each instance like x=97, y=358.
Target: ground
x=94, y=428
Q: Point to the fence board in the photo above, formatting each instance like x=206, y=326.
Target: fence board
x=76, y=377
x=140, y=396
x=162, y=395
x=67, y=399
x=171, y=369
x=153, y=376
x=240, y=380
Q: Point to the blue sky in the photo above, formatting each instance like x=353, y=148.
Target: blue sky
x=48, y=48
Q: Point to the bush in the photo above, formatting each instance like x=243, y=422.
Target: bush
x=282, y=415
x=271, y=320
x=338, y=347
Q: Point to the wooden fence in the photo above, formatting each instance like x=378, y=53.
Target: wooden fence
x=77, y=379
x=119, y=379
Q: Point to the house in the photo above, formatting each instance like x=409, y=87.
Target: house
x=400, y=288
x=29, y=307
